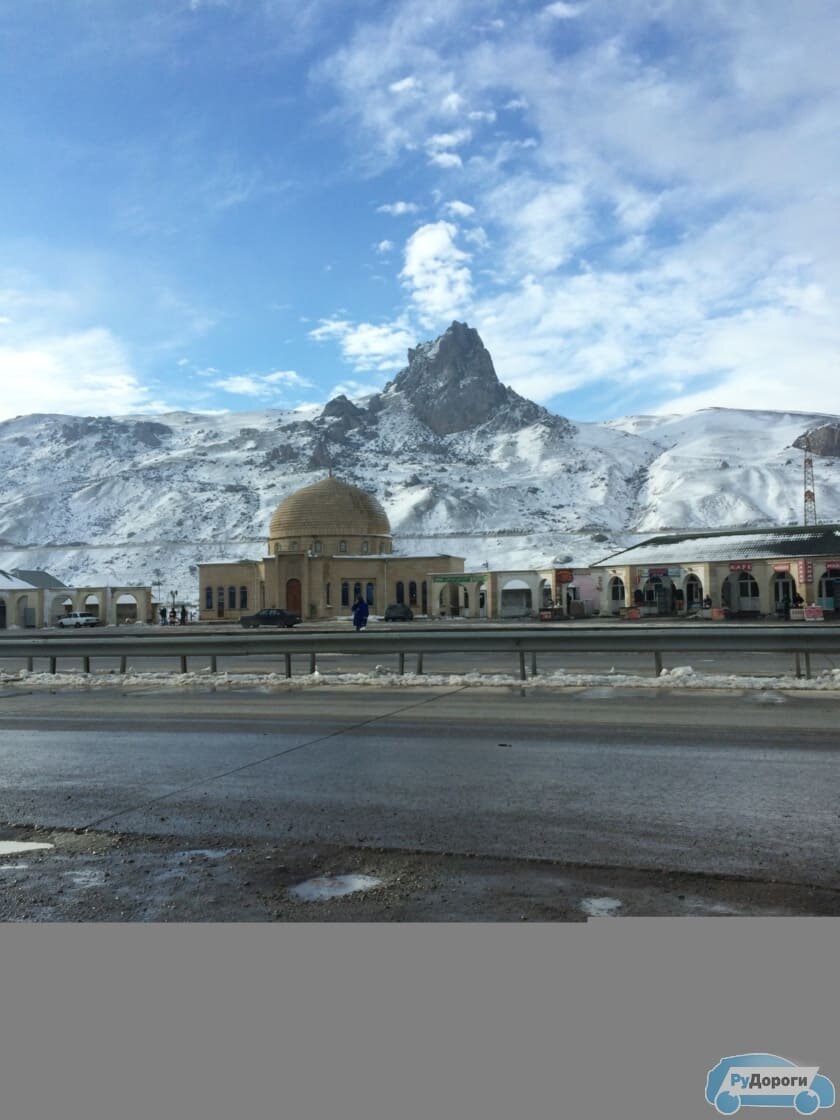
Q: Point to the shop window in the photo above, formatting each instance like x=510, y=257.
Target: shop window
x=617, y=590
x=220, y=599
x=412, y=593
x=400, y=591
x=345, y=593
x=747, y=587
x=232, y=598
x=357, y=591
x=369, y=594
x=243, y=598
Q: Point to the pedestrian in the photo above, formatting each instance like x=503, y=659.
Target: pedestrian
x=173, y=617
x=163, y=616
x=360, y=614
x=183, y=616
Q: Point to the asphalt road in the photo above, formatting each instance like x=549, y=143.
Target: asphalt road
x=467, y=805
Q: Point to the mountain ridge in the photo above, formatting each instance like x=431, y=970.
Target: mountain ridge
x=454, y=456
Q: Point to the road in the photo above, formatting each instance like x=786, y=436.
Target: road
x=467, y=805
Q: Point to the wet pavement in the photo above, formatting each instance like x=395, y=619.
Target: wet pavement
x=464, y=806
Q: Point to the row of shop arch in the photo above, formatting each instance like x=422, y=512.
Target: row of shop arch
x=739, y=592
x=23, y=608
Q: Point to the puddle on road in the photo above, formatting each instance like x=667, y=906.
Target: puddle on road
x=15, y=847
x=326, y=887
x=600, y=907
x=86, y=877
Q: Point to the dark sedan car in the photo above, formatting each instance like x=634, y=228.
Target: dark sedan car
x=398, y=612
x=271, y=616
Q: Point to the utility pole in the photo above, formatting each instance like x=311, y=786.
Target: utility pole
x=809, y=487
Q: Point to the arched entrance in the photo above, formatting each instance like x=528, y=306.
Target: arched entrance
x=784, y=591
x=515, y=599
x=293, y=597
x=693, y=593
x=92, y=605
x=741, y=595
x=658, y=595
x=126, y=609
x=616, y=595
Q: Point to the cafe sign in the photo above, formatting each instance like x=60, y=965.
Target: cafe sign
x=740, y=566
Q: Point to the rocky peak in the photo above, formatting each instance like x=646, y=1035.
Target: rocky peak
x=822, y=440
x=451, y=382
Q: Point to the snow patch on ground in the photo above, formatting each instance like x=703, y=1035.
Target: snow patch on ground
x=382, y=677
x=326, y=887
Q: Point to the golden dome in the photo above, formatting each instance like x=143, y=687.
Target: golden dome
x=329, y=508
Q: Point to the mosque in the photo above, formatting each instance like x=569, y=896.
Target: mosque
x=328, y=544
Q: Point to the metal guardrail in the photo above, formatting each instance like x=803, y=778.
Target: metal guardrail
x=797, y=640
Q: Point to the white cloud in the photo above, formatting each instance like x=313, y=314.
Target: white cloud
x=436, y=273
x=367, y=346
x=561, y=10
x=262, y=385
x=487, y=116
x=397, y=209
x=459, y=209
x=445, y=159
x=385, y=246
x=404, y=85
x=452, y=103
x=449, y=139
x=81, y=373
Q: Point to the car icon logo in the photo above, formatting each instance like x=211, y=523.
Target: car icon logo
x=767, y=1081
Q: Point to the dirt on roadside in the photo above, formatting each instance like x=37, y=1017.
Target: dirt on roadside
x=89, y=876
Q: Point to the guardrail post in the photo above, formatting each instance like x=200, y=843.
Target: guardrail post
x=657, y=664
x=534, y=663
x=401, y=664
x=797, y=664
x=522, y=665
x=312, y=663
x=30, y=664
x=123, y=665
x=288, y=659
x=214, y=663
x=419, y=669
x=52, y=664
x=808, y=665
x=183, y=663
x=86, y=665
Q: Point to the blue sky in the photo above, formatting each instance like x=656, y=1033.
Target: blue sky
x=239, y=204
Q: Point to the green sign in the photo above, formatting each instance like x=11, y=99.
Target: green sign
x=466, y=577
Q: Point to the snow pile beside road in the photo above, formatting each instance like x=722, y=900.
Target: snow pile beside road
x=682, y=677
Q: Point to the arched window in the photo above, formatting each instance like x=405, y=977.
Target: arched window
x=400, y=591
x=357, y=591
x=232, y=597
x=617, y=598
x=412, y=593
x=328, y=595
x=317, y=548
x=369, y=594
x=293, y=546
x=466, y=598
x=425, y=593
x=747, y=587
x=345, y=593
x=243, y=598
x=220, y=600
x=342, y=546
x=365, y=547
x=208, y=598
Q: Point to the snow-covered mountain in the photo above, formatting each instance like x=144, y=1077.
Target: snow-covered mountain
x=461, y=463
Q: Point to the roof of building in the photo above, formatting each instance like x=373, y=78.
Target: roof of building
x=8, y=582
x=329, y=508
x=730, y=544
x=38, y=578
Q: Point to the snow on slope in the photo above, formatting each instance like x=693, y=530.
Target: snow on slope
x=486, y=475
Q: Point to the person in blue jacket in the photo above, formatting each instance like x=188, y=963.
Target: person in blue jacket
x=360, y=614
